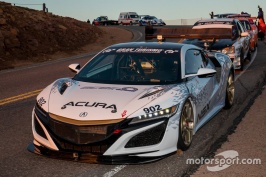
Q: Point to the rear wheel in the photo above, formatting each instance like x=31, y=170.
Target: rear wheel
x=249, y=55
x=186, y=126
x=230, y=92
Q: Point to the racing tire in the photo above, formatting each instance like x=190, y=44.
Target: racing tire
x=249, y=55
x=186, y=126
x=242, y=61
x=230, y=92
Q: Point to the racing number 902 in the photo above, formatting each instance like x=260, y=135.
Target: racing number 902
x=152, y=109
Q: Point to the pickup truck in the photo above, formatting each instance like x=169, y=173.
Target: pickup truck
x=104, y=21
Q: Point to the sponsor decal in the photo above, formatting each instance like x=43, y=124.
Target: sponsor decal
x=88, y=104
x=203, y=111
x=124, y=113
x=170, y=51
x=108, y=50
x=41, y=101
x=83, y=114
x=138, y=50
x=128, y=89
x=152, y=109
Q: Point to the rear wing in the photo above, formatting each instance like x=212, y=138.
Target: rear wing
x=248, y=16
x=163, y=34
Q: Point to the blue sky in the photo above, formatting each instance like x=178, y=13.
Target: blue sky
x=164, y=9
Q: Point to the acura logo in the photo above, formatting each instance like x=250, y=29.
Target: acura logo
x=83, y=114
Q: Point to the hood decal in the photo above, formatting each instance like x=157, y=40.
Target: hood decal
x=159, y=90
x=128, y=89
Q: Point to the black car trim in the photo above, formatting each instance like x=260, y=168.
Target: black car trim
x=91, y=158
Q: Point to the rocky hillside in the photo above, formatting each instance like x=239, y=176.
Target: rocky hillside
x=27, y=34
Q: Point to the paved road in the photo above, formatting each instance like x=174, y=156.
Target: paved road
x=15, y=124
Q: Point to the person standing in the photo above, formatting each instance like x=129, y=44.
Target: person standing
x=260, y=14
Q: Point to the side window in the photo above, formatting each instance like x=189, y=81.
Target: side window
x=239, y=25
x=248, y=27
x=194, y=61
x=235, y=32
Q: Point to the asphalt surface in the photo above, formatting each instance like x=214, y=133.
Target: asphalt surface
x=16, y=134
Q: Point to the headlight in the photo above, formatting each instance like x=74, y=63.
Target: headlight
x=229, y=50
x=168, y=112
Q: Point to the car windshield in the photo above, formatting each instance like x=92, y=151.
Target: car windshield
x=152, y=17
x=134, y=16
x=133, y=66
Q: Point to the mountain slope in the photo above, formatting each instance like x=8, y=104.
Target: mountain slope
x=27, y=34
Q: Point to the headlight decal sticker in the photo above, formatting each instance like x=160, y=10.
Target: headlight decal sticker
x=65, y=82
x=41, y=101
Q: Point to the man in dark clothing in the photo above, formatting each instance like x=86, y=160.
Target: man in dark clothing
x=260, y=14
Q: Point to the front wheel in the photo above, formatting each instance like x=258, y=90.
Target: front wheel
x=186, y=126
x=230, y=92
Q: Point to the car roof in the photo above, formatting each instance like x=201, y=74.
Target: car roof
x=162, y=45
x=212, y=26
x=218, y=20
x=216, y=23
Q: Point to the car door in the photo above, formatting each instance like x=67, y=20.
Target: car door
x=244, y=40
x=200, y=88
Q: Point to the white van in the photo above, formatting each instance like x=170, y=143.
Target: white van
x=128, y=18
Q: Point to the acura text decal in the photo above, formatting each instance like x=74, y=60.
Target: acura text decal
x=94, y=104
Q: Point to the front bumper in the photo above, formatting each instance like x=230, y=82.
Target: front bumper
x=138, y=143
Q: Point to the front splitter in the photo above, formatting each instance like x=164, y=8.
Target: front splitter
x=92, y=158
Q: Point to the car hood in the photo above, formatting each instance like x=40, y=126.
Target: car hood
x=217, y=45
x=157, y=20
x=92, y=101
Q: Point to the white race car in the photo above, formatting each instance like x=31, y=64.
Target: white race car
x=151, y=20
x=132, y=103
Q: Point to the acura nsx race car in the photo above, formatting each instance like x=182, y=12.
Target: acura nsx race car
x=132, y=103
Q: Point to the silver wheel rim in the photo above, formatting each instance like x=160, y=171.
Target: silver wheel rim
x=187, y=123
x=231, y=90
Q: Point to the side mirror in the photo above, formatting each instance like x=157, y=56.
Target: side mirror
x=74, y=67
x=206, y=72
x=203, y=73
x=244, y=34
